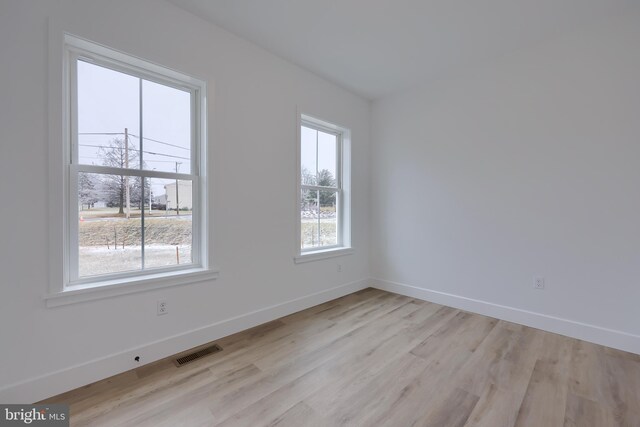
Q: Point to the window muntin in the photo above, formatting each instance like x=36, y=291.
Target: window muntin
x=134, y=168
x=321, y=188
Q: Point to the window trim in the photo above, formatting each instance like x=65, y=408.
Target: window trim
x=64, y=48
x=343, y=190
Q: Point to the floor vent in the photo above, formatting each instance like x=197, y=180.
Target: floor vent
x=180, y=361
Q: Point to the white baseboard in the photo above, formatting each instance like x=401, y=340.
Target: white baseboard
x=571, y=328
x=42, y=387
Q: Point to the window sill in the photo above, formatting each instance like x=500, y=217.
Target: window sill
x=112, y=288
x=322, y=254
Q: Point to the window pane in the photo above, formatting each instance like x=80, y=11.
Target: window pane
x=328, y=218
x=109, y=230
x=327, y=162
x=309, y=219
x=168, y=231
x=308, y=155
x=108, y=103
x=166, y=121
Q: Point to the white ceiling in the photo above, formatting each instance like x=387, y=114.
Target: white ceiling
x=376, y=47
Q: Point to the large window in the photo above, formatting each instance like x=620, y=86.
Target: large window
x=323, y=187
x=135, y=169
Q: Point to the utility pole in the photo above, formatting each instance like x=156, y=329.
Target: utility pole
x=126, y=178
x=177, y=201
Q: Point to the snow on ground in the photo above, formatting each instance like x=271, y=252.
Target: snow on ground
x=100, y=260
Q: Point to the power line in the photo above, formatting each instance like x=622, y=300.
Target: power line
x=165, y=155
x=161, y=142
x=136, y=149
x=135, y=136
x=100, y=133
x=146, y=160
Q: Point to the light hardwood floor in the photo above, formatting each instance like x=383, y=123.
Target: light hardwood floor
x=376, y=359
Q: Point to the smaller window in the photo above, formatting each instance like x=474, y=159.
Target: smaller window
x=323, y=188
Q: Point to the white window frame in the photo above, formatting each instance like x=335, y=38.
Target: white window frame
x=65, y=285
x=343, y=190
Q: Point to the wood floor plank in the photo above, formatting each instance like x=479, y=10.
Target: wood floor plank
x=609, y=378
x=356, y=350
x=588, y=376
x=161, y=409
x=347, y=321
x=420, y=324
x=582, y=412
x=464, y=332
x=99, y=406
x=497, y=407
x=450, y=410
x=187, y=415
x=400, y=404
x=300, y=415
x=344, y=303
x=376, y=358
x=383, y=391
x=308, y=369
x=545, y=400
x=445, y=351
x=282, y=348
x=505, y=358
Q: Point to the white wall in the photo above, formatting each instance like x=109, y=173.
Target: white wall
x=510, y=170
x=252, y=123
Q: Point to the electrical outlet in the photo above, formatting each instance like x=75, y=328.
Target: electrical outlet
x=163, y=308
x=538, y=283
x=339, y=268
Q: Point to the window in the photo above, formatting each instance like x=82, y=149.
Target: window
x=323, y=196
x=135, y=170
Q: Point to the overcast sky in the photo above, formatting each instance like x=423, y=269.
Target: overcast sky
x=325, y=146
x=109, y=102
